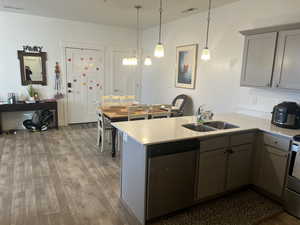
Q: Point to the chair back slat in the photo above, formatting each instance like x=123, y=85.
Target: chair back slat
x=138, y=112
x=160, y=111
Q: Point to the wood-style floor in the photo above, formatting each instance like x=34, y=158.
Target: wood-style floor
x=58, y=178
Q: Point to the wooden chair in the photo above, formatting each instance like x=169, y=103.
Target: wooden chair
x=104, y=128
x=130, y=99
x=106, y=100
x=138, y=112
x=160, y=111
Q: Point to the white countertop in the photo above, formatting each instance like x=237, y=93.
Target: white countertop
x=156, y=131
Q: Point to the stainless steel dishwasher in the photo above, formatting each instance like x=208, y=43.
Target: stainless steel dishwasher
x=171, y=177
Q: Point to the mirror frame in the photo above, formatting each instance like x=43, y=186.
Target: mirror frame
x=43, y=56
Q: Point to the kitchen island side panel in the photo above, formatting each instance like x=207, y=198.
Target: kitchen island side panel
x=133, y=179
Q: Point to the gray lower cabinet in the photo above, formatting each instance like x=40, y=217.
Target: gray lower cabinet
x=239, y=167
x=258, y=60
x=273, y=171
x=212, y=173
x=287, y=68
x=224, y=164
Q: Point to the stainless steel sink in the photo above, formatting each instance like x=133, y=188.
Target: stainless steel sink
x=209, y=126
x=199, y=127
x=220, y=125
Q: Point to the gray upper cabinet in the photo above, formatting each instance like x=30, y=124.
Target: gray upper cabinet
x=258, y=60
x=287, y=69
x=271, y=57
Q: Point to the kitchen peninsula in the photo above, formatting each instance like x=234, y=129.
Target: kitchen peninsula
x=167, y=166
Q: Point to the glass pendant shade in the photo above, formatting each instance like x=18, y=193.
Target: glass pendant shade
x=159, y=51
x=132, y=61
x=205, y=54
x=125, y=62
x=148, y=61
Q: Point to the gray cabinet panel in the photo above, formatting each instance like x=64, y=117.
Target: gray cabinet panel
x=239, y=167
x=212, y=173
x=274, y=166
x=287, y=70
x=258, y=60
x=171, y=183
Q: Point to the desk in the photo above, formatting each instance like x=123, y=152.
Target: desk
x=118, y=114
x=22, y=106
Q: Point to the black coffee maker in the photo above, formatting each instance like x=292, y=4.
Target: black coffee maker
x=286, y=115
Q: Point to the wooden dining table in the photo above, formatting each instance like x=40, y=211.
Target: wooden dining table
x=119, y=114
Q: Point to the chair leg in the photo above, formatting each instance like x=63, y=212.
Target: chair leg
x=98, y=138
x=102, y=141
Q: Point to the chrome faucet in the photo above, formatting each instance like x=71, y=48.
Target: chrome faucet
x=202, y=115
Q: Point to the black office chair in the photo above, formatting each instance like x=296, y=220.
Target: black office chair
x=178, y=105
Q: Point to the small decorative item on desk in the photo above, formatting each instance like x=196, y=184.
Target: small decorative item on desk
x=31, y=92
x=12, y=98
x=57, y=87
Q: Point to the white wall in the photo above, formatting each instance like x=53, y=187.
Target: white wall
x=217, y=83
x=18, y=30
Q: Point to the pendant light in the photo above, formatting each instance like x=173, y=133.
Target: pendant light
x=148, y=61
x=159, y=49
x=205, y=52
x=133, y=60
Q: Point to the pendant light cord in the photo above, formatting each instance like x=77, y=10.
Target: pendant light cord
x=138, y=7
x=160, y=21
x=208, y=23
x=137, y=31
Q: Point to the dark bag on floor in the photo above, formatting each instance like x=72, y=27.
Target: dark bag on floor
x=40, y=120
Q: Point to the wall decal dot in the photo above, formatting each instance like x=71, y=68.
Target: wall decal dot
x=86, y=68
x=69, y=59
x=98, y=85
x=83, y=74
x=81, y=58
x=84, y=84
x=91, y=58
x=91, y=88
x=97, y=69
x=75, y=80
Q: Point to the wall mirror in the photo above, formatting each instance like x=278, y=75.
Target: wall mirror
x=33, y=67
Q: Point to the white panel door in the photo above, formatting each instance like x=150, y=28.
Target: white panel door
x=85, y=77
x=125, y=78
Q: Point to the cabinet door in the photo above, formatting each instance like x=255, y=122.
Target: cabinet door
x=258, y=60
x=274, y=170
x=287, y=70
x=212, y=173
x=239, y=167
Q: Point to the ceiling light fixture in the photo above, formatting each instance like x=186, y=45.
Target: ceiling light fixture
x=148, y=61
x=133, y=60
x=205, y=52
x=159, y=49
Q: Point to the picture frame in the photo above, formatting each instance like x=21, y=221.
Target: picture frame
x=186, y=66
x=33, y=67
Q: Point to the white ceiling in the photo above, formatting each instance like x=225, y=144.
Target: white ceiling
x=109, y=12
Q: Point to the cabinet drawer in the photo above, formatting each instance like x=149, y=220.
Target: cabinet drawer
x=241, y=139
x=214, y=143
x=277, y=141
